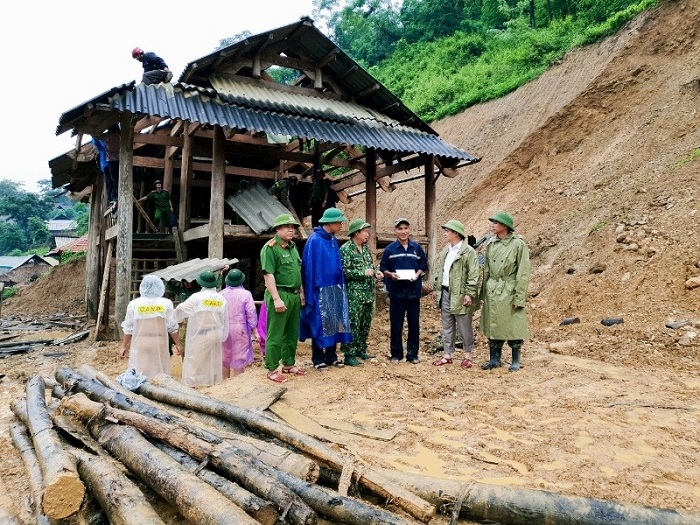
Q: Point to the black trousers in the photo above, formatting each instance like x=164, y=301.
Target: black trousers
x=400, y=308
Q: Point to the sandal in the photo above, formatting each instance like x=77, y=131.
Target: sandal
x=444, y=360
x=321, y=367
x=467, y=363
x=275, y=376
x=294, y=370
x=338, y=363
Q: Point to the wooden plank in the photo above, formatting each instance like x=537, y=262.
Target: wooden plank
x=216, y=201
x=144, y=215
x=353, y=427
x=371, y=199
x=260, y=397
x=305, y=424
x=103, y=291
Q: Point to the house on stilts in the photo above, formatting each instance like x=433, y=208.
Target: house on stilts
x=221, y=134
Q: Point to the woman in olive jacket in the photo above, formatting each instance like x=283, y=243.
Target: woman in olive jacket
x=506, y=279
x=455, y=288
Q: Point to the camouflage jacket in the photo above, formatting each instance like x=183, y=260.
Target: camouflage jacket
x=360, y=286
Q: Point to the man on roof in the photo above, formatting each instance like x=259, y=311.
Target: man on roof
x=155, y=70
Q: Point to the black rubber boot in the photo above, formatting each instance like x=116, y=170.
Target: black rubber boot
x=515, y=363
x=494, y=355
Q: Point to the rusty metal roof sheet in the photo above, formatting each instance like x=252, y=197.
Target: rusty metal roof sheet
x=207, y=106
x=256, y=207
x=190, y=270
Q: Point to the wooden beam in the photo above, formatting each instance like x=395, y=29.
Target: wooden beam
x=368, y=90
x=125, y=222
x=158, y=140
x=103, y=291
x=371, y=199
x=404, y=165
x=218, y=190
x=193, y=234
x=430, y=224
x=185, y=178
x=92, y=257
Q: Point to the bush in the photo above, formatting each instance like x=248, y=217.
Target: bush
x=9, y=292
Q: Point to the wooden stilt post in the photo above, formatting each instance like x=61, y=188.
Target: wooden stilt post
x=185, y=178
x=371, y=198
x=430, y=226
x=125, y=224
x=218, y=190
x=92, y=259
x=104, y=291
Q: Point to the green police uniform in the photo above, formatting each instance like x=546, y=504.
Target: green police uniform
x=360, y=296
x=282, y=260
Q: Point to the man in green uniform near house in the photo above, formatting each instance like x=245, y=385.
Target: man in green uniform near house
x=284, y=297
x=164, y=207
x=360, y=277
x=506, y=278
x=282, y=189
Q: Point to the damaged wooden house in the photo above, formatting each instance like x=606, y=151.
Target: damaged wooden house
x=287, y=101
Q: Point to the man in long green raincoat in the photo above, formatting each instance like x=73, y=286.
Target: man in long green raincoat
x=506, y=279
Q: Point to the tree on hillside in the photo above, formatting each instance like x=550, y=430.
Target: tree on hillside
x=37, y=232
x=426, y=20
x=12, y=238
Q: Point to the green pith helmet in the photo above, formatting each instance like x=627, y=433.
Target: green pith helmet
x=207, y=279
x=285, y=218
x=332, y=215
x=504, y=218
x=455, y=226
x=235, y=277
x=356, y=225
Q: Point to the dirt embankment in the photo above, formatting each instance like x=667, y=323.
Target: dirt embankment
x=596, y=162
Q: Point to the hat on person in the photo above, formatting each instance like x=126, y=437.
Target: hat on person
x=285, y=218
x=455, y=226
x=136, y=52
x=401, y=220
x=504, y=218
x=292, y=178
x=235, y=277
x=357, y=225
x=157, y=182
x=332, y=215
x=207, y=279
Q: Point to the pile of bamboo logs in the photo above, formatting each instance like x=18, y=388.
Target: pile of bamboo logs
x=98, y=454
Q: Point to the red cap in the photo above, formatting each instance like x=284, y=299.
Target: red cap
x=137, y=51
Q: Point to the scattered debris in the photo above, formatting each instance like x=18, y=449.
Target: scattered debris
x=609, y=321
x=677, y=324
x=569, y=320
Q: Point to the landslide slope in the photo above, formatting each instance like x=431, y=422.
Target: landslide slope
x=599, y=162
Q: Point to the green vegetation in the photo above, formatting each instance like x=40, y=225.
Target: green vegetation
x=442, y=56
x=9, y=292
x=693, y=156
x=598, y=226
x=23, y=217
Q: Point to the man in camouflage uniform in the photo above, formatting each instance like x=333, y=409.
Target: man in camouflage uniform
x=360, y=276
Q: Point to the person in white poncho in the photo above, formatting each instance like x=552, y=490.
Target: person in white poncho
x=207, y=328
x=148, y=321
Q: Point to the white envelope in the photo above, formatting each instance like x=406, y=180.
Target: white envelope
x=406, y=275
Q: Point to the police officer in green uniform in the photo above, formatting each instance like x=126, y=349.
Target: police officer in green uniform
x=284, y=296
x=360, y=277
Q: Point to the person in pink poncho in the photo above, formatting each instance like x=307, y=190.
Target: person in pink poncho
x=237, y=349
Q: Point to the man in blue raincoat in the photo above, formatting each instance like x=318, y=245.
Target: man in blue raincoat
x=325, y=317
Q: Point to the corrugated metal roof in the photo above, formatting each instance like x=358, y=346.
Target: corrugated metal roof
x=190, y=270
x=256, y=207
x=58, y=225
x=9, y=263
x=206, y=106
x=307, y=105
x=303, y=39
